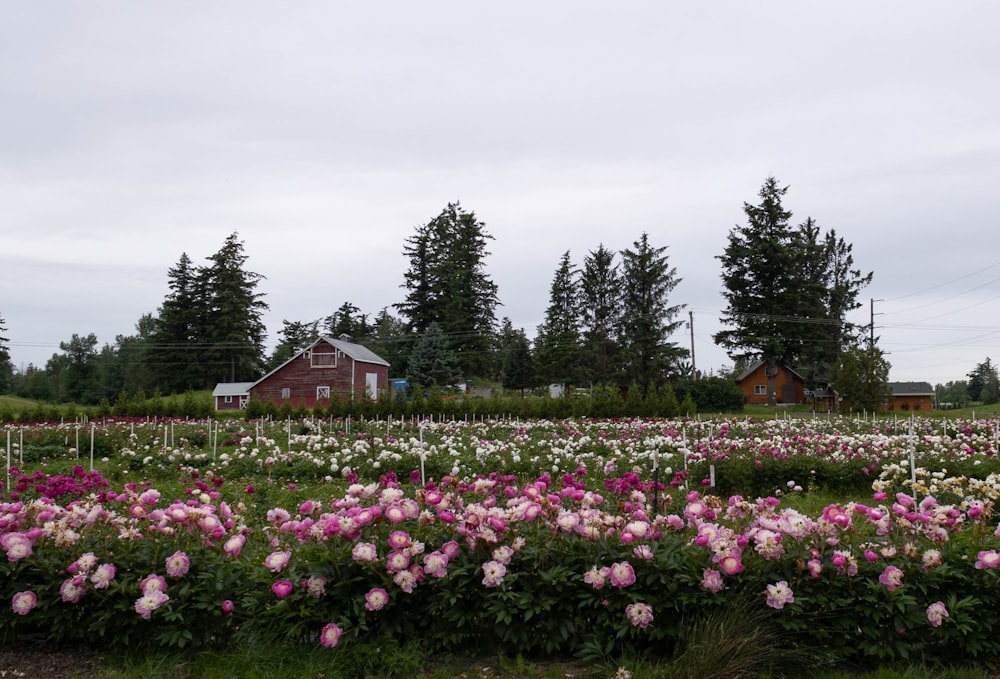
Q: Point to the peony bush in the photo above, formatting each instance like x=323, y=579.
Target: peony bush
x=584, y=538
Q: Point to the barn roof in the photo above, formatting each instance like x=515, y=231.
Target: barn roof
x=356, y=351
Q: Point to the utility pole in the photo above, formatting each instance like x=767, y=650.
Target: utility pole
x=694, y=371
x=871, y=327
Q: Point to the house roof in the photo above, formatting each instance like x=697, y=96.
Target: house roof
x=749, y=371
x=911, y=388
x=232, y=388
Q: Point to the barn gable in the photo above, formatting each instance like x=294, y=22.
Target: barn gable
x=326, y=368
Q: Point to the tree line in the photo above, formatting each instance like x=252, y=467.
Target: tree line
x=609, y=319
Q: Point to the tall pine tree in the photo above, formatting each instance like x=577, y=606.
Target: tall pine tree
x=647, y=317
x=448, y=285
x=788, y=291
x=234, y=329
x=600, y=309
x=175, y=351
x=558, y=342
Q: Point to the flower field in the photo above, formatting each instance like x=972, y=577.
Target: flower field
x=872, y=540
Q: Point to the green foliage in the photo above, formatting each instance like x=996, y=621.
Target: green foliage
x=447, y=285
x=861, y=378
x=647, y=319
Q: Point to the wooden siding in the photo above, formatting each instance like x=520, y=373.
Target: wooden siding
x=907, y=402
x=789, y=387
x=328, y=368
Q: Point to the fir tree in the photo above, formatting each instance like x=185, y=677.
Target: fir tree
x=557, y=343
x=600, y=301
x=647, y=317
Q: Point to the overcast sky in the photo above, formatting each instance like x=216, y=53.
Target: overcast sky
x=325, y=132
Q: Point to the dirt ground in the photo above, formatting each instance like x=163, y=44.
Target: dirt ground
x=36, y=661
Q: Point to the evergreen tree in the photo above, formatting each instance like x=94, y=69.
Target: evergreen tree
x=982, y=377
x=390, y=340
x=448, y=285
x=861, y=377
x=6, y=367
x=234, y=331
x=432, y=362
x=647, y=318
x=79, y=370
x=828, y=291
x=600, y=296
x=348, y=320
x=293, y=337
x=788, y=291
x=558, y=342
x=176, y=348
x=517, y=369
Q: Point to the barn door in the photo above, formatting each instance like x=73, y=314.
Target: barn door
x=371, y=385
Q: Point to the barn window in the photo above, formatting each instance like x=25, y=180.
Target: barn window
x=760, y=389
x=323, y=360
x=286, y=393
x=322, y=392
x=228, y=399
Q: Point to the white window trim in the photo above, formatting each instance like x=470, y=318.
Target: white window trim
x=760, y=390
x=286, y=393
x=322, y=392
x=329, y=360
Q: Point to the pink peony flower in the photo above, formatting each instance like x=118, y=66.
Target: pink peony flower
x=227, y=607
x=936, y=613
x=436, y=564
x=22, y=603
x=234, y=544
x=72, y=589
x=364, y=552
x=330, y=635
x=281, y=588
x=622, y=574
x=103, y=575
x=494, y=573
x=711, y=580
x=731, y=564
x=779, y=594
x=149, y=602
x=987, y=559
x=276, y=561
x=399, y=539
x=891, y=577
x=178, y=564
x=640, y=615
x=596, y=577
x=376, y=598
x=315, y=585
x=153, y=582
x=17, y=546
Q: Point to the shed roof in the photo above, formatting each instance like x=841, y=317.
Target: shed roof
x=232, y=388
x=911, y=388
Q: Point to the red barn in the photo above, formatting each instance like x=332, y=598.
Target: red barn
x=326, y=367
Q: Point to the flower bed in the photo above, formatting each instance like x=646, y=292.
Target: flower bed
x=537, y=537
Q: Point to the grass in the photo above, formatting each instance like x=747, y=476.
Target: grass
x=373, y=663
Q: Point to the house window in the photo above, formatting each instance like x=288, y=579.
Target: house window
x=322, y=392
x=286, y=393
x=323, y=360
x=760, y=390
